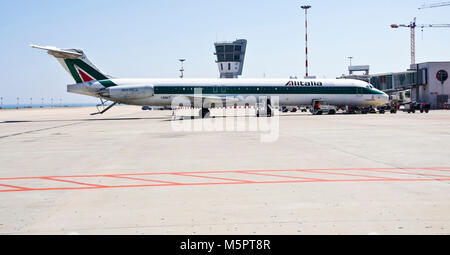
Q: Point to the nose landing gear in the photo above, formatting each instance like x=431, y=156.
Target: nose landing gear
x=264, y=109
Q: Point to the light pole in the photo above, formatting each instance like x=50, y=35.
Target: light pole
x=350, y=60
x=17, y=103
x=182, y=68
x=306, y=7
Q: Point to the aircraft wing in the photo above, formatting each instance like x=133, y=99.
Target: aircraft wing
x=59, y=53
x=213, y=99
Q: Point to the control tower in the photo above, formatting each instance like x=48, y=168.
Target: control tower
x=230, y=57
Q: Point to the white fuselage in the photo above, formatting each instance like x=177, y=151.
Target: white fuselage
x=290, y=92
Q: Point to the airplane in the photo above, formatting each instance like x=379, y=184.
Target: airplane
x=210, y=93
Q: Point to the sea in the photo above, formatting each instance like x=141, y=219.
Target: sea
x=28, y=106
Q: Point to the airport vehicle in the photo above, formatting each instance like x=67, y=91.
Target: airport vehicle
x=284, y=109
x=392, y=108
x=320, y=107
x=354, y=109
x=414, y=106
x=288, y=109
x=209, y=93
x=161, y=108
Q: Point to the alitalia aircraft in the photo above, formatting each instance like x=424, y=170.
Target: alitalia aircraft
x=210, y=93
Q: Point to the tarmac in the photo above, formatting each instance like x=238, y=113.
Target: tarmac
x=130, y=171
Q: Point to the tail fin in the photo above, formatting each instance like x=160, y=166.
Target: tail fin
x=76, y=63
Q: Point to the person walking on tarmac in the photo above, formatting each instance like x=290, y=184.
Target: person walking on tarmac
x=317, y=105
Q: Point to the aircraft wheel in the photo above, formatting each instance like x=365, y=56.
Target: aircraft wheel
x=204, y=113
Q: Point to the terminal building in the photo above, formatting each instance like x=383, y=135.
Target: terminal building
x=427, y=82
x=230, y=57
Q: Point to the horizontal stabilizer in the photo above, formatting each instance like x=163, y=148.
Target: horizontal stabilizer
x=76, y=63
x=60, y=53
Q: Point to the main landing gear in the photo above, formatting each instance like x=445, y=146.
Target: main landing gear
x=264, y=109
x=204, y=113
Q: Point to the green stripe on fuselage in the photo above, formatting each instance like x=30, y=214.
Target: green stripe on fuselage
x=224, y=90
x=107, y=83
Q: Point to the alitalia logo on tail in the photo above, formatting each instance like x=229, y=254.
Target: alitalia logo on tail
x=84, y=76
x=305, y=84
x=82, y=71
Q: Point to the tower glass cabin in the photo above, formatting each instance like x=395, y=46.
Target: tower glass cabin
x=230, y=58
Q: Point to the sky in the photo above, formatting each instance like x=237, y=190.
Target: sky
x=145, y=39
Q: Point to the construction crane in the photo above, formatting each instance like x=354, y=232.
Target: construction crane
x=413, y=26
x=425, y=6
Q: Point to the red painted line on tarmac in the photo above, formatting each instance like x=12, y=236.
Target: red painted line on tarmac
x=432, y=168
x=292, y=170
x=283, y=176
x=216, y=178
x=16, y=188
x=139, y=179
x=268, y=173
x=356, y=175
x=419, y=174
x=74, y=182
x=224, y=183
